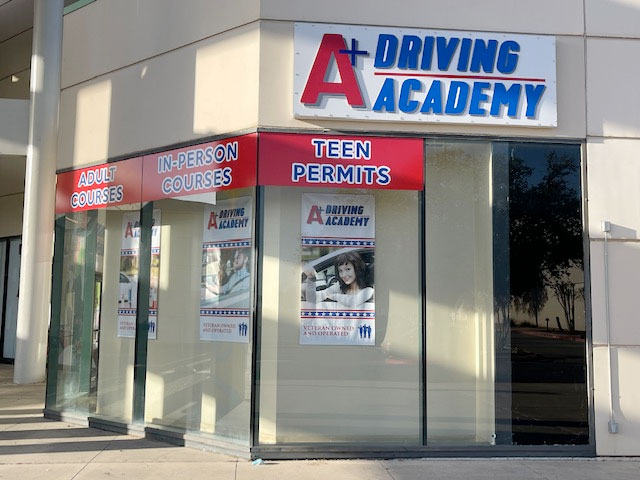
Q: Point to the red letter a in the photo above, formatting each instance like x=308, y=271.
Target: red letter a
x=314, y=215
x=331, y=45
x=212, y=221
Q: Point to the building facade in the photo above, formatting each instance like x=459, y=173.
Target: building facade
x=290, y=229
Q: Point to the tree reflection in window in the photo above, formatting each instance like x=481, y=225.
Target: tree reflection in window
x=546, y=314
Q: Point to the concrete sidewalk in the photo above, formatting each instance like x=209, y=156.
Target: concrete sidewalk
x=33, y=447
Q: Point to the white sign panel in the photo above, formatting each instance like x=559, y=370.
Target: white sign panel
x=225, y=293
x=412, y=75
x=338, y=248
x=129, y=258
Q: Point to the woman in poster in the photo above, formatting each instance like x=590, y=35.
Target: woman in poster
x=350, y=291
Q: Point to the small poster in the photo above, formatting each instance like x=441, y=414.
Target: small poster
x=338, y=253
x=129, y=258
x=225, y=293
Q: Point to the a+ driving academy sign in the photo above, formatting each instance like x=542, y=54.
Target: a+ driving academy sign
x=392, y=74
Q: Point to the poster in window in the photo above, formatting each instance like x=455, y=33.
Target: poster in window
x=338, y=257
x=225, y=289
x=129, y=258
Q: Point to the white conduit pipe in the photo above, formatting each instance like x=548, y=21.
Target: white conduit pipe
x=606, y=229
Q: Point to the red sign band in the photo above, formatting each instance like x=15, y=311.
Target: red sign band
x=203, y=168
x=291, y=159
x=284, y=159
x=101, y=186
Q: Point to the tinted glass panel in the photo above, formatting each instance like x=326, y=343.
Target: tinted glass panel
x=546, y=302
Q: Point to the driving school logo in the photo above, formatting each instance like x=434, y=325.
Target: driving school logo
x=359, y=72
x=334, y=45
x=342, y=215
x=227, y=218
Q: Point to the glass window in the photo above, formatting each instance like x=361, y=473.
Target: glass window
x=75, y=363
x=330, y=379
x=505, y=316
x=459, y=293
x=118, y=313
x=492, y=252
x=90, y=362
x=201, y=295
x=543, y=348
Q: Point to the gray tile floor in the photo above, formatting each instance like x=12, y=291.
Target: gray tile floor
x=32, y=447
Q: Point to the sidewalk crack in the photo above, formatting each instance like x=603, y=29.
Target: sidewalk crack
x=92, y=459
x=533, y=471
x=386, y=470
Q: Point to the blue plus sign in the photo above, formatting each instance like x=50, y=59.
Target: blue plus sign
x=354, y=51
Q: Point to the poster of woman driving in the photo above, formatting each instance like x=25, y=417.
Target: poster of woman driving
x=338, y=251
x=225, y=289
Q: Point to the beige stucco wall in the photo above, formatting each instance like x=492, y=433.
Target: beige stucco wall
x=128, y=85
x=613, y=174
x=14, y=60
x=11, y=215
x=491, y=15
x=14, y=126
x=613, y=197
x=107, y=35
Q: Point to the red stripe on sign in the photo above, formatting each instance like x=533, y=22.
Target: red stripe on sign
x=473, y=77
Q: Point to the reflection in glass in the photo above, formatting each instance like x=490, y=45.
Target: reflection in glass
x=546, y=310
x=90, y=363
x=76, y=359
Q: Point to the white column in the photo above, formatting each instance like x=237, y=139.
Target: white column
x=39, y=194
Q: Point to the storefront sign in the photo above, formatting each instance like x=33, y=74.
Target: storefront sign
x=302, y=160
x=203, y=168
x=129, y=258
x=101, y=186
x=338, y=248
x=392, y=74
x=225, y=291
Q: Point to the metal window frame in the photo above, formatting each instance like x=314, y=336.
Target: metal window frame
x=142, y=315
